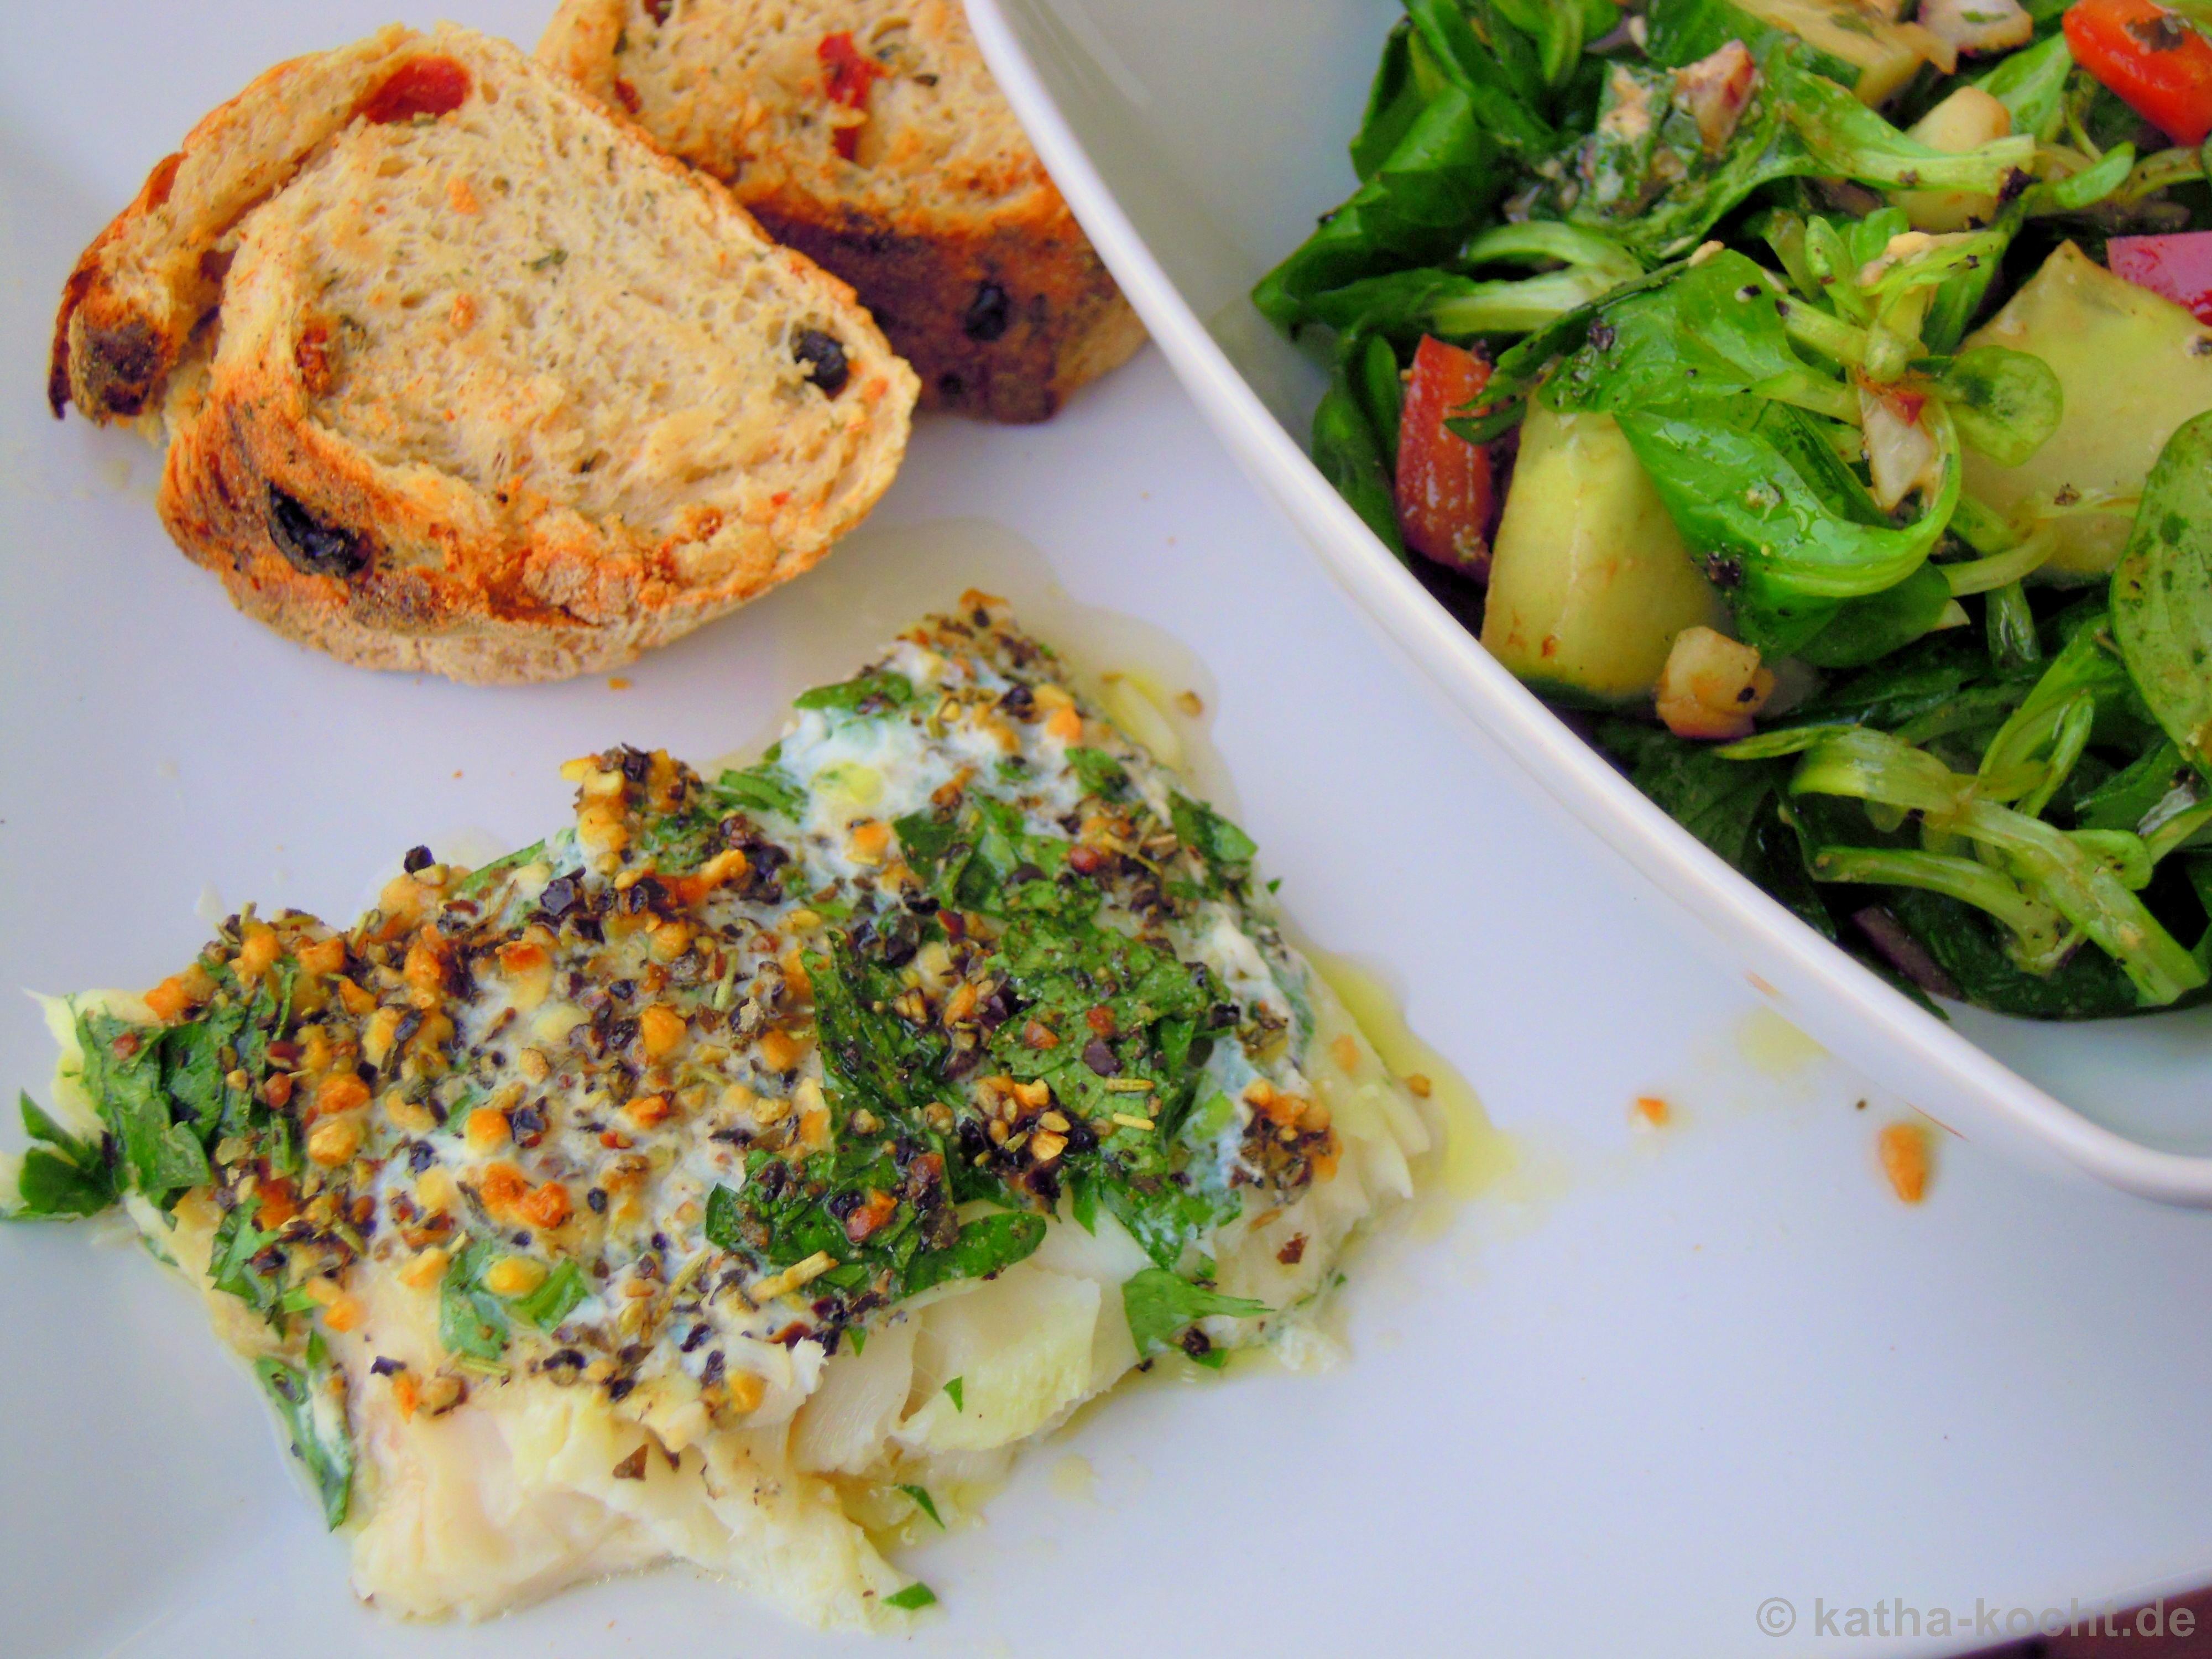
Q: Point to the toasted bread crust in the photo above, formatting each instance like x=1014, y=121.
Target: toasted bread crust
x=394, y=564
x=220, y=501
x=1069, y=324
x=982, y=280
x=137, y=294
x=440, y=583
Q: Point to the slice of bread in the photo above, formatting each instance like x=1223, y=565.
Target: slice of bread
x=458, y=374
x=870, y=135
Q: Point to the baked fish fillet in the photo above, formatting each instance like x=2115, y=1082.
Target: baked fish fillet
x=750, y=1168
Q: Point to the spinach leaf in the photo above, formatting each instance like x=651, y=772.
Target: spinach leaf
x=2009, y=621
x=1404, y=305
x=866, y=693
x=1381, y=390
x=1652, y=179
x=1680, y=32
x=2157, y=777
x=1843, y=138
x=1395, y=101
x=1351, y=452
x=1555, y=29
x=1738, y=498
x=762, y=787
x=1777, y=860
x=2031, y=86
x=2015, y=761
x=1162, y=1305
x=1716, y=800
x=1864, y=631
x=315, y=1420
x=1521, y=367
x=2081, y=189
x=1499, y=69
x=1715, y=329
x=2007, y=403
x=2162, y=594
x=1935, y=686
x=1958, y=300
x=1441, y=177
x=1969, y=946
x=2028, y=872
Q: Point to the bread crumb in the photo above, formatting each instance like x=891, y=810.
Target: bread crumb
x=1904, y=1148
x=618, y=683
x=1650, y=1112
x=1190, y=703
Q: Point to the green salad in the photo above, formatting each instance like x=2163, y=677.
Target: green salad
x=1808, y=399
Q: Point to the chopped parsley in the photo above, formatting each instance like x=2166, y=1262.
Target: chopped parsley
x=471, y=1319
x=62, y=1175
x=765, y=787
x=557, y=1297
x=1226, y=850
x=925, y=1502
x=237, y=1263
x=1163, y=1306
x=314, y=1417
x=1102, y=775
x=868, y=693
x=483, y=876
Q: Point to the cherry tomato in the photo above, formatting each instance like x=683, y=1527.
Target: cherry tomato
x=1447, y=489
x=2158, y=65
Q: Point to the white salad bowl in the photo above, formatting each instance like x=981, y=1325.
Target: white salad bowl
x=1197, y=143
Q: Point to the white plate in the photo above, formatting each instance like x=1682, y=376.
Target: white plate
x=1197, y=143
x=1645, y=1385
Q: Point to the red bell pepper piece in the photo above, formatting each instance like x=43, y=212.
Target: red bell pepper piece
x=2177, y=267
x=2156, y=64
x=430, y=85
x=852, y=72
x=1446, y=486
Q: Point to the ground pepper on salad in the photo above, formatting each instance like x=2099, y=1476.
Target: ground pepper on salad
x=1808, y=398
